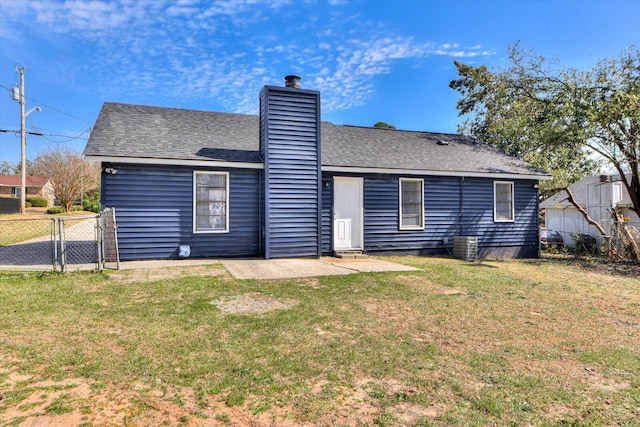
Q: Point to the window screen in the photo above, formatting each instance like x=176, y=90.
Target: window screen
x=411, y=204
x=503, y=196
x=211, y=201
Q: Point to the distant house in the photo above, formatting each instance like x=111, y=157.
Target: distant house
x=35, y=186
x=285, y=184
x=599, y=195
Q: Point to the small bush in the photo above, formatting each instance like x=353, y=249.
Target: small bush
x=75, y=208
x=92, y=204
x=27, y=205
x=37, y=201
x=56, y=210
x=585, y=244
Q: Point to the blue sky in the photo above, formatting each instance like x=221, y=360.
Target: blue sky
x=372, y=60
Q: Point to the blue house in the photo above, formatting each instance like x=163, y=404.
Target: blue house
x=285, y=184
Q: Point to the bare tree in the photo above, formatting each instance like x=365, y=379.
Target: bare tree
x=71, y=175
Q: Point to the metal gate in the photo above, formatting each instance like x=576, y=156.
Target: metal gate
x=76, y=244
x=59, y=244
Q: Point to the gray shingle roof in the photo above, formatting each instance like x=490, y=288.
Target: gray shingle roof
x=124, y=130
x=579, y=191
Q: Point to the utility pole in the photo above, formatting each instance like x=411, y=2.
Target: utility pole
x=23, y=143
x=23, y=147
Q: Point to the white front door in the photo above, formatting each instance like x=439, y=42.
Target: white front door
x=347, y=213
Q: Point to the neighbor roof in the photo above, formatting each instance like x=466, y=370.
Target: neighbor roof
x=32, y=181
x=578, y=189
x=143, y=132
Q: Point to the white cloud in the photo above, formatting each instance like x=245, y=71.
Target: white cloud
x=96, y=15
x=222, y=51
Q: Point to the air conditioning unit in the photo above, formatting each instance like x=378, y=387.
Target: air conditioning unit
x=465, y=248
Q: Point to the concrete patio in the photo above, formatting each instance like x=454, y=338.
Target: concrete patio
x=265, y=269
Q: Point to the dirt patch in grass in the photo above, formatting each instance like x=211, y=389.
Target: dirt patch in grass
x=312, y=282
x=41, y=403
x=252, y=303
x=392, y=314
x=80, y=401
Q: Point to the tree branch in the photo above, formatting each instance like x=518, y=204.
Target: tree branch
x=584, y=213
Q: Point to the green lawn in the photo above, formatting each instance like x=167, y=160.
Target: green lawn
x=12, y=231
x=16, y=228
x=493, y=343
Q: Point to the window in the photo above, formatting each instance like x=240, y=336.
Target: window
x=411, y=204
x=16, y=191
x=211, y=202
x=503, y=210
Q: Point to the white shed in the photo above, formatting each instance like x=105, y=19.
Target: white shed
x=599, y=195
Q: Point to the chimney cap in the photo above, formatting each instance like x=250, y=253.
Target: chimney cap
x=292, y=81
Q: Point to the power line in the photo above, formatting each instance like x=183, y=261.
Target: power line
x=50, y=107
x=17, y=131
x=70, y=138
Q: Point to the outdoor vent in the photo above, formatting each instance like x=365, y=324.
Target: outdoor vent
x=605, y=178
x=465, y=248
x=442, y=142
x=292, y=81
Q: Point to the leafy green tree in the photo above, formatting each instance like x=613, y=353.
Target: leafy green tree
x=7, y=168
x=605, y=103
x=527, y=111
x=383, y=125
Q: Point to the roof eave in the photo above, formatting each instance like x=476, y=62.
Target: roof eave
x=174, y=162
x=466, y=174
x=325, y=168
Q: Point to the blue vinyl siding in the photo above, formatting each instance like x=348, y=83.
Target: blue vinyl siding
x=327, y=215
x=290, y=148
x=442, y=203
x=154, y=213
x=381, y=214
x=493, y=237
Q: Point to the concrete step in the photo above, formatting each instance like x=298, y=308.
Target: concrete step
x=350, y=255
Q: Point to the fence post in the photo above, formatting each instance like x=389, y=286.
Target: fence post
x=99, y=254
x=103, y=251
x=54, y=245
x=63, y=246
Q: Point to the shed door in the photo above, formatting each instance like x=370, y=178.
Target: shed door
x=347, y=213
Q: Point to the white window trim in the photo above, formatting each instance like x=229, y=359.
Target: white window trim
x=195, y=184
x=412, y=227
x=513, y=202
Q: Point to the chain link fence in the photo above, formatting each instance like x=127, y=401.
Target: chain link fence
x=624, y=240
x=54, y=244
x=26, y=244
